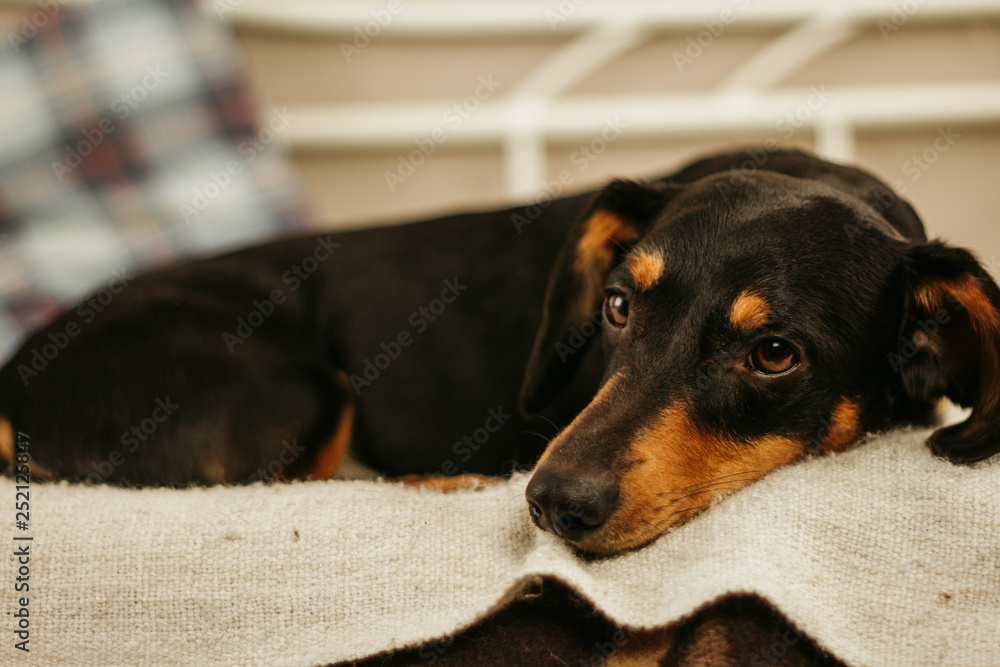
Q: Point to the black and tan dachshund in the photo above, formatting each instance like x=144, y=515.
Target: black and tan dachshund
x=753, y=308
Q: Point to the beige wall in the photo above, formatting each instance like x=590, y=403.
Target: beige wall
x=957, y=195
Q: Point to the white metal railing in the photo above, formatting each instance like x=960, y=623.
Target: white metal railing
x=436, y=18
x=526, y=117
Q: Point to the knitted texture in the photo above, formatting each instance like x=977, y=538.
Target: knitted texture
x=884, y=555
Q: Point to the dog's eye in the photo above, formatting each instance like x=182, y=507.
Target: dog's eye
x=616, y=309
x=773, y=356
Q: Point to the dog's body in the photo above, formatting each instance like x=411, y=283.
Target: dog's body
x=749, y=318
x=422, y=331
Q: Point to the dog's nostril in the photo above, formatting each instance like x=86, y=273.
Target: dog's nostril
x=568, y=524
x=570, y=505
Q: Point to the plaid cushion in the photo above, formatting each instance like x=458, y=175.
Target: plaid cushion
x=127, y=140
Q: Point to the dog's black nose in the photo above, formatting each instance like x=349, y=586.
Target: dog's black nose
x=570, y=505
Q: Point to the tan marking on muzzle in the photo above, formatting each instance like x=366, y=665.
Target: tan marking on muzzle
x=647, y=267
x=677, y=469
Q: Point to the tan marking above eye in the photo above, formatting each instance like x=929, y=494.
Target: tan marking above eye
x=749, y=311
x=647, y=267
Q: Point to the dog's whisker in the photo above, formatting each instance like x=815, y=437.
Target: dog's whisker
x=715, y=479
x=708, y=485
x=691, y=509
x=544, y=437
x=729, y=479
x=507, y=502
x=714, y=488
x=552, y=423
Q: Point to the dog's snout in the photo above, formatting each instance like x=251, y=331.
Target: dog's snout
x=570, y=504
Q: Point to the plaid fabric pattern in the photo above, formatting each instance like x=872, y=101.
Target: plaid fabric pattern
x=128, y=140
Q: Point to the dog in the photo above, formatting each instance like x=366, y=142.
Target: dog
x=752, y=312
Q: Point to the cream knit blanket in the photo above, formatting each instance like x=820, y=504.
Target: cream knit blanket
x=884, y=555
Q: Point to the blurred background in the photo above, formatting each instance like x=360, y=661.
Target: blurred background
x=137, y=132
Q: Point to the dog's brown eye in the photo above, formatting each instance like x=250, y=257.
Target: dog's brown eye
x=774, y=356
x=616, y=309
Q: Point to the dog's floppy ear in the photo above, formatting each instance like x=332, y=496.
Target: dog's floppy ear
x=950, y=346
x=617, y=218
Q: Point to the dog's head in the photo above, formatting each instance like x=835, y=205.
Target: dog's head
x=748, y=320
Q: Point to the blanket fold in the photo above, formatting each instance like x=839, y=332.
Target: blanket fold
x=883, y=555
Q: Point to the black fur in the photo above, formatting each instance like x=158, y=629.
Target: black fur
x=833, y=247
x=837, y=256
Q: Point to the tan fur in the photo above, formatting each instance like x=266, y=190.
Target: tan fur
x=333, y=452
x=643, y=647
x=595, y=252
x=215, y=472
x=6, y=441
x=932, y=295
x=749, y=311
x=676, y=469
x=647, y=267
x=846, y=426
x=448, y=484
